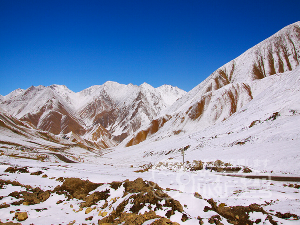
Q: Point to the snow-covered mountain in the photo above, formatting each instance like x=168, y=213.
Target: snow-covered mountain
x=123, y=109
x=112, y=113
x=102, y=114
x=228, y=89
x=188, y=160
x=47, y=108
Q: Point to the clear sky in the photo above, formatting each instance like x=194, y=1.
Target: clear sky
x=88, y=42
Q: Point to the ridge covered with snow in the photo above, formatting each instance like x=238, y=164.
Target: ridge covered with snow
x=119, y=109
x=231, y=87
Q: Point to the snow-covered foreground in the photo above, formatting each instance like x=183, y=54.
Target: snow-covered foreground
x=192, y=189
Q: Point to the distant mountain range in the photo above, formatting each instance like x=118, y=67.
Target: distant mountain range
x=102, y=115
x=112, y=114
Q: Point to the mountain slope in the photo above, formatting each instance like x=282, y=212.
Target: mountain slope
x=45, y=108
x=18, y=134
x=264, y=134
x=230, y=87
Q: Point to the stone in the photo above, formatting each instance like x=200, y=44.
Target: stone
x=21, y=216
x=88, y=210
x=197, y=195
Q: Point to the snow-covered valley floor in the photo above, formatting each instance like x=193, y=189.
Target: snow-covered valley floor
x=204, y=195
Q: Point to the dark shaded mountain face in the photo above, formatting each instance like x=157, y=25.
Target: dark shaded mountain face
x=107, y=115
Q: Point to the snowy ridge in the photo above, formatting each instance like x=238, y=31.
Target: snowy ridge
x=229, y=88
x=119, y=109
x=283, y=48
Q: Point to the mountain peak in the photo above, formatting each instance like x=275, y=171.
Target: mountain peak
x=113, y=86
x=110, y=83
x=15, y=93
x=53, y=86
x=146, y=86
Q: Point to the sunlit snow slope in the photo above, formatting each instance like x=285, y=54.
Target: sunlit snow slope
x=230, y=88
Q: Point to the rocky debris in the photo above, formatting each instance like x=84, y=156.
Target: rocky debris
x=274, y=116
x=164, y=221
x=89, y=218
x=149, y=192
x=14, y=183
x=200, y=220
x=220, y=166
x=40, y=210
x=94, y=198
x=197, y=195
x=184, y=217
x=234, y=214
x=215, y=219
x=143, y=194
x=223, y=169
x=270, y=218
x=287, y=215
x=88, y=210
x=137, y=195
x=247, y=170
x=115, y=184
x=139, y=185
x=297, y=186
x=239, y=215
x=21, y=216
x=60, y=179
x=17, y=169
x=36, y=173
x=76, y=188
x=4, y=205
x=197, y=165
x=30, y=197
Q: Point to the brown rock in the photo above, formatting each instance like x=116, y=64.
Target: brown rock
x=21, y=216
x=88, y=210
x=197, y=195
x=164, y=221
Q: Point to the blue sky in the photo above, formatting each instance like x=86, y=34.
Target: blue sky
x=85, y=43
